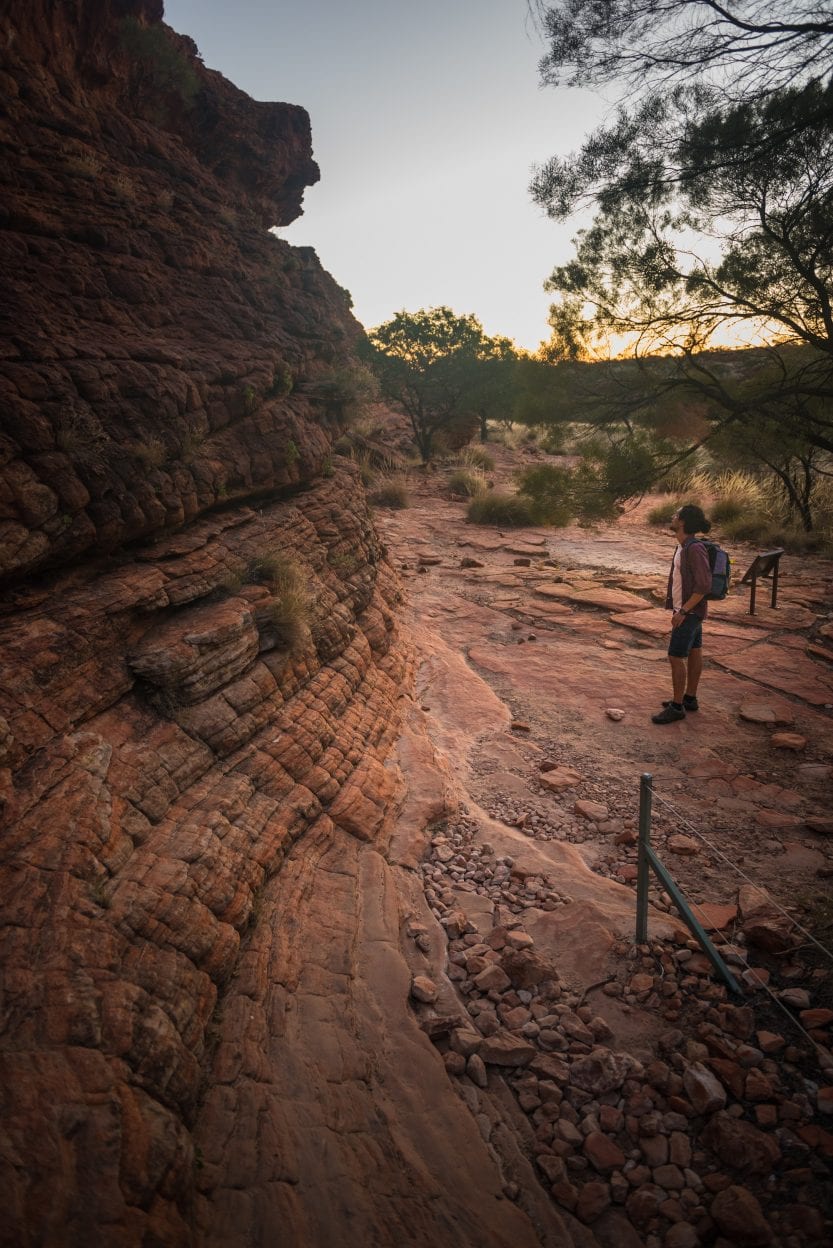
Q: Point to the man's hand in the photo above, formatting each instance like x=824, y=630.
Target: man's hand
x=677, y=619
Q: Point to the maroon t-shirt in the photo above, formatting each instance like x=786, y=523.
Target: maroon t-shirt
x=696, y=575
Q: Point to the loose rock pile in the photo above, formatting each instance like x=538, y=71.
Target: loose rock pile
x=714, y=1136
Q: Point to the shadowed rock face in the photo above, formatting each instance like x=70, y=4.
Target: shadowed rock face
x=161, y=349
x=170, y=724
x=205, y=1034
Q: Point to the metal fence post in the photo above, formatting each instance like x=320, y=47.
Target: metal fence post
x=646, y=781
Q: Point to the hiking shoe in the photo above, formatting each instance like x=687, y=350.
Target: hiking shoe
x=668, y=715
x=690, y=703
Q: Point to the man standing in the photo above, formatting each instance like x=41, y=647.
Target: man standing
x=689, y=581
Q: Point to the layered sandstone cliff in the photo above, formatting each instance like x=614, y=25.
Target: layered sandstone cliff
x=196, y=639
x=205, y=933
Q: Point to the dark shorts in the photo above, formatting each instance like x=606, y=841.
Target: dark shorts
x=688, y=637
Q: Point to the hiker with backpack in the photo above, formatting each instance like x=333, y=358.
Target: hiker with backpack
x=689, y=585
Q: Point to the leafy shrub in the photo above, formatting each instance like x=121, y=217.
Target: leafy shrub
x=346, y=393
x=504, y=510
x=467, y=483
x=168, y=70
x=550, y=491
x=391, y=493
x=554, y=440
x=283, y=382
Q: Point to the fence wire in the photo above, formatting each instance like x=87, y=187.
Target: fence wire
x=825, y=1057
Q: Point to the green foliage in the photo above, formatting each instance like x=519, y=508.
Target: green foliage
x=550, y=491
x=554, y=440
x=502, y=510
x=725, y=509
x=346, y=393
x=283, y=382
x=164, y=67
x=291, y=453
x=344, y=564
x=713, y=213
x=755, y=527
x=391, y=493
x=433, y=363
x=249, y=399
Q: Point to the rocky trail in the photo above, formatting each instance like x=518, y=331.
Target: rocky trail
x=658, y=1109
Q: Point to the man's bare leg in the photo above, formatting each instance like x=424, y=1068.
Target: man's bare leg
x=678, y=676
x=695, y=670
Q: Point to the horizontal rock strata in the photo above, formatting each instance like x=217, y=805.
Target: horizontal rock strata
x=144, y=825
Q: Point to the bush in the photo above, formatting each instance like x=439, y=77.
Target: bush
x=476, y=457
x=467, y=483
x=550, y=491
x=391, y=493
x=504, y=510
x=290, y=607
x=554, y=440
x=290, y=614
x=662, y=513
x=166, y=68
x=761, y=530
x=152, y=453
x=726, y=510
x=277, y=570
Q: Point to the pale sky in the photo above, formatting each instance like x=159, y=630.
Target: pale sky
x=427, y=119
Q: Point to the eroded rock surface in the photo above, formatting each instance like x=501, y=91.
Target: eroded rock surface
x=206, y=1032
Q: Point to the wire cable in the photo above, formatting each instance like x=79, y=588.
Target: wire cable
x=794, y=922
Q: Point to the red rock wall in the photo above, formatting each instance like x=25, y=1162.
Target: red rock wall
x=161, y=349
x=170, y=723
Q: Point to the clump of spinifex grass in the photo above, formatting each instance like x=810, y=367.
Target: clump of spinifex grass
x=662, y=513
x=468, y=483
x=503, y=510
x=476, y=457
x=290, y=606
x=391, y=492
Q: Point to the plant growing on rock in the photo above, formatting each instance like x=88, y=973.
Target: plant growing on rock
x=283, y=382
x=345, y=394
x=151, y=453
x=289, y=610
x=164, y=69
x=79, y=433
